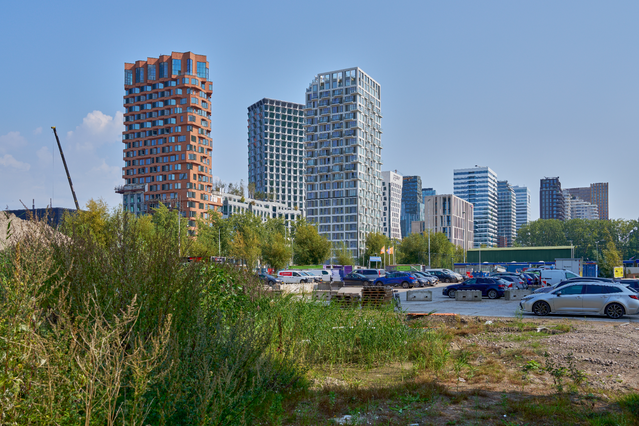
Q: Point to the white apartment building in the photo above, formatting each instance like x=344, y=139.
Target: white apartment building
x=576, y=208
x=392, y=204
x=344, y=156
x=276, y=151
x=236, y=204
x=478, y=186
x=450, y=215
x=524, y=210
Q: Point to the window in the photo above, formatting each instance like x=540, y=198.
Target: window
x=164, y=69
x=128, y=77
x=139, y=75
x=202, y=70
x=151, y=72
x=189, y=66
x=176, y=67
x=573, y=289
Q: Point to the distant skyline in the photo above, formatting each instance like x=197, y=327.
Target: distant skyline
x=529, y=89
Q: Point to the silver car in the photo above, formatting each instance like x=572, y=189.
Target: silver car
x=585, y=298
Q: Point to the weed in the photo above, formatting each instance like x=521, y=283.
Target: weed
x=557, y=372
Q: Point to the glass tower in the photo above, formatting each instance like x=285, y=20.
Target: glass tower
x=344, y=156
x=276, y=152
x=478, y=186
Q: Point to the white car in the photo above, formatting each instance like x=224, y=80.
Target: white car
x=584, y=298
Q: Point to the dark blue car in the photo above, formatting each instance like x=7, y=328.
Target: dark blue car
x=405, y=279
x=492, y=288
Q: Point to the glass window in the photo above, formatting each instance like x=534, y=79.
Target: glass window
x=189, y=66
x=164, y=69
x=596, y=289
x=151, y=72
x=128, y=77
x=202, y=70
x=176, y=67
x=571, y=275
x=139, y=75
x=573, y=289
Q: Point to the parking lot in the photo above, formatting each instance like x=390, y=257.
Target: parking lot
x=486, y=308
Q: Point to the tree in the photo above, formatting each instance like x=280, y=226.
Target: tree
x=213, y=236
x=247, y=234
x=310, y=248
x=413, y=249
x=276, y=251
x=611, y=258
x=342, y=254
x=374, y=243
x=542, y=232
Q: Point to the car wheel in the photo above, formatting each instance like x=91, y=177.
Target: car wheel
x=271, y=283
x=405, y=284
x=492, y=294
x=451, y=293
x=379, y=283
x=541, y=308
x=615, y=311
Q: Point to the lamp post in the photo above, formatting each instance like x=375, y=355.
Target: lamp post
x=572, y=250
x=464, y=233
x=597, y=246
x=429, y=215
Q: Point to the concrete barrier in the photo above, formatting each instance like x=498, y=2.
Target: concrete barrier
x=298, y=288
x=323, y=295
x=419, y=295
x=516, y=294
x=468, y=295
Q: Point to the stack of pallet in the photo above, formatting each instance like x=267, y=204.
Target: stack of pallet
x=346, y=300
x=375, y=296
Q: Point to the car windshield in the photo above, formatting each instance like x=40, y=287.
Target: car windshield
x=500, y=281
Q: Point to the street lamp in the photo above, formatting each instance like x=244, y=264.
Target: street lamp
x=429, y=215
x=572, y=250
x=597, y=246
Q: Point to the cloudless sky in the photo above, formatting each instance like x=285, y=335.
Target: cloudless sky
x=528, y=88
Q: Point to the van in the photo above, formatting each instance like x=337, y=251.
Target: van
x=553, y=276
x=293, y=277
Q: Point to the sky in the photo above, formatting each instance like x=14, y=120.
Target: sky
x=531, y=89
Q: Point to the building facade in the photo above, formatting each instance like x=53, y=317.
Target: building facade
x=276, y=152
x=412, y=203
x=167, y=136
x=551, y=199
x=596, y=193
x=392, y=204
x=576, y=208
x=506, y=214
x=450, y=215
x=524, y=209
x=343, y=151
x=478, y=186
x=237, y=204
x=427, y=192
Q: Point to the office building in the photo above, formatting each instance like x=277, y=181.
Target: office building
x=506, y=214
x=276, y=152
x=551, y=199
x=478, y=186
x=391, y=204
x=167, y=135
x=596, y=193
x=524, y=209
x=412, y=203
x=427, y=192
x=450, y=215
x=344, y=156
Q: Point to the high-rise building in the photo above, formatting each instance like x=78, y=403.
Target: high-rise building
x=276, y=152
x=412, y=203
x=506, y=214
x=427, y=192
x=167, y=135
x=551, y=199
x=478, y=186
x=391, y=204
x=450, y=215
x=524, y=210
x=597, y=194
x=344, y=156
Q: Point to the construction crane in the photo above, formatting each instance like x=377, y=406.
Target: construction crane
x=77, y=206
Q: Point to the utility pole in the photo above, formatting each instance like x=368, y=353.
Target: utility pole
x=429, y=217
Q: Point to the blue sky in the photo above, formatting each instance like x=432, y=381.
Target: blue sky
x=528, y=88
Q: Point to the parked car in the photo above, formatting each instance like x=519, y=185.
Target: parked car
x=632, y=283
x=323, y=274
x=570, y=280
x=531, y=278
x=550, y=277
x=357, y=279
x=269, y=279
x=371, y=273
x=586, y=297
x=405, y=279
x=432, y=280
x=515, y=281
x=490, y=287
x=445, y=277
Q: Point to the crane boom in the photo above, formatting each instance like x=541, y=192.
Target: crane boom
x=77, y=206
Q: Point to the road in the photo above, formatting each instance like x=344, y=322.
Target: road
x=486, y=308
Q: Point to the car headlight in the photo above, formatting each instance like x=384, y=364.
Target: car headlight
x=524, y=299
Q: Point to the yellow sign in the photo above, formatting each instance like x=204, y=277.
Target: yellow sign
x=618, y=271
